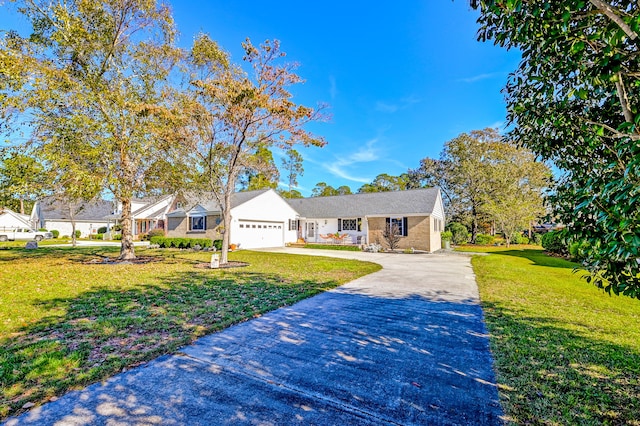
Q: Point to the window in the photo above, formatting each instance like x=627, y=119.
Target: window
x=293, y=225
x=198, y=223
x=241, y=225
x=350, y=224
x=400, y=224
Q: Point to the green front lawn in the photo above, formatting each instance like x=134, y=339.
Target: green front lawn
x=66, y=322
x=565, y=352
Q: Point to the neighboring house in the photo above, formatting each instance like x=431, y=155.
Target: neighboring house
x=11, y=220
x=259, y=219
x=150, y=213
x=418, y=215
x=53, y=214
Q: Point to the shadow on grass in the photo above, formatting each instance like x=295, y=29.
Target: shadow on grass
x=549, y=374
x=347, y=357
x=538, y=257
x=104, y=330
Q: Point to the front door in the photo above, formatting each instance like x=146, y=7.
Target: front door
x=311, y=230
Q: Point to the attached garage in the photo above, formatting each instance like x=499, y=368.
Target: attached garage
x=258, y=234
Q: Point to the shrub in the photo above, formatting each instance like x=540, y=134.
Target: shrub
x=485, y=239
x=78, y=233
x=117, y=228
x=55, y=233
x=102, y=230
x=536, y=239
x=446, y=235
x=578, y=250
x=520, y=239
x=168, y=242
x=96, y=236
x=117, y=237
x=459, y=233
x=555, y=242
x=155, y=233
x=42, y=229
x=217, y=244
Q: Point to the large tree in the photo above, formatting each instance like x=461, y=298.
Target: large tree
x=292, y=164
x=229, y=115
x=575, y=100
x=97, y=72
x=486, y=179
x=517, y=183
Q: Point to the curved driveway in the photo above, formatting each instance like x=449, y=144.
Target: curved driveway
x=405, y=345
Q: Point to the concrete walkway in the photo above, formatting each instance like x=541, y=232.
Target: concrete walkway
x=405, y=345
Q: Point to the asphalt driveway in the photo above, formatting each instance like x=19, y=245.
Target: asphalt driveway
x=405, y=345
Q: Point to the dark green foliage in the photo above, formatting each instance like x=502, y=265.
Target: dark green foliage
x=556, y=242
x=575, y=100
x=55, y=233
x=217, y=244
x=183, y=243
x=102, y=230
x=78, y=233
x=485, y=239
x=459, y=233
x=520, y=239
x=578, y=250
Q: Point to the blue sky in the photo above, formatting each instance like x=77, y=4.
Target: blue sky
x=400, y=78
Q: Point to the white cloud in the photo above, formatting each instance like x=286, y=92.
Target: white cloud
x=342, y=166
x=333, y=88
x=403, y=103
x=480, y=77
x=385, y=107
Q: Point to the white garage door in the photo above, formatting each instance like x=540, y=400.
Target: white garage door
x=259, y=234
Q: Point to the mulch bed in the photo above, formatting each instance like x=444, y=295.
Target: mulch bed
x=231, y=264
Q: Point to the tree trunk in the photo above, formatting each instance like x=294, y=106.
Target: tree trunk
x=72, y=216
x=226, y=223
x=21, y=206
x=127, y=251
x=474, y=224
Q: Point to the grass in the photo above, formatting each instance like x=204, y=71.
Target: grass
x=65, y=323
x=332, y=247
x=565, y=352
x=472, y=248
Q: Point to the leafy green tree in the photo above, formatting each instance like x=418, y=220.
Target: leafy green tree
x=575, y=100
x=384, y=182
x=344, y=190
x=263, y=174
x=22, y=180
x=517, y=184
x=98, y=73
x=292, y=164
x=485, y=178
x=294, y=193
x=322, y=189
x=227, y=116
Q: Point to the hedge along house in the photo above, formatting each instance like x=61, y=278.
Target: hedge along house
x=259, y=219
x=417, y=214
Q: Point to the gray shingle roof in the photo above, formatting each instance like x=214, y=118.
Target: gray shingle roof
x=415, y=201
x=57, y=210
x=209, y=202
